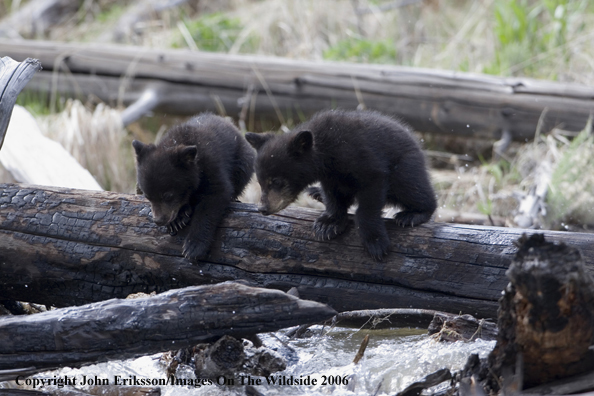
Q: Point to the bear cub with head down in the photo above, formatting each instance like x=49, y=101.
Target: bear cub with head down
x=360, y=156
x=192, y=175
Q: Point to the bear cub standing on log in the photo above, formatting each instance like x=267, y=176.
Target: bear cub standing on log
x=360, y=156
x=192, y=175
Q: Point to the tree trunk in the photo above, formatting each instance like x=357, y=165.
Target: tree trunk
x=71, y=247
x=190, y=81
x=123, y=329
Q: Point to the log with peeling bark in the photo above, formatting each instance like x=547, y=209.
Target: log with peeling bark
x=259, y=87
x=121, y=329
x=70, y=247
x=13, y=78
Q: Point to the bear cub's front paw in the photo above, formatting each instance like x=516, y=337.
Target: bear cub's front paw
x=329, y=227
x=181, y=221
x=193, y=250
x=377, y=246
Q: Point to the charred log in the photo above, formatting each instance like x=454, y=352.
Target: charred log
x=67, y=247
x=121, y=329
x=547, y=314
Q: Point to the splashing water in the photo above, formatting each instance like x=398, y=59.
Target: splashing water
x=393, y=360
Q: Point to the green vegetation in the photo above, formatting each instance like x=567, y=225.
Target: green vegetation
x=570, y=199
x=217, y=33
x=36, y=103
x=362, y=50
x=526, y=30
x=112, y=13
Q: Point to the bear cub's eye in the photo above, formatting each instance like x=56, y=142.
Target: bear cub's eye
x=167, y=197
x=277, y=183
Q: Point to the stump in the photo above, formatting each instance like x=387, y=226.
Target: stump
x=546, y=315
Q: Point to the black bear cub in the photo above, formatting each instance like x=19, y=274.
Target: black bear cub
x=192, y=175
x=360, y=156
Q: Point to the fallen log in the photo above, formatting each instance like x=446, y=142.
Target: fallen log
x=71, y=247
x=13, y=78
x=452, y=328
x=190, y=81
x=123, y=329
x=385, y=318
x=429, y=381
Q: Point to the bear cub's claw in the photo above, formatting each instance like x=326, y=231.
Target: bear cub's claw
x=193, y=250
x=181, y=221
x=328, y=227
x=378, y=247
x=315, y=193
x=411, y=219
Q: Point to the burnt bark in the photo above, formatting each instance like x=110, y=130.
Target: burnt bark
x=546, y=317
x=122, y=329
x=191, y=81
x=67, y=247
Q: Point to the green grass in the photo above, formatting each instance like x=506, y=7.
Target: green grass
x=216, y=33
x=571, y=195
x=112, y=13
x=35, y=102
x=362, y=50
x=524, y=30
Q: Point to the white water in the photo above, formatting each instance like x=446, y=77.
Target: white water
x=394, y=358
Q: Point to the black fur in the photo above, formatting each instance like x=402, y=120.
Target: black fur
x=192, y=175
x=360, y=156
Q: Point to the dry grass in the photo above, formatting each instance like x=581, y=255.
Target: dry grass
x=465, y=35
x=97, y=140
x=496, y=188
x=546, y=39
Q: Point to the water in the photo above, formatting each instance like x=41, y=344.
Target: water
x=393, y=359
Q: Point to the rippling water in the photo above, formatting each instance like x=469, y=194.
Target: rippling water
x=392, y=360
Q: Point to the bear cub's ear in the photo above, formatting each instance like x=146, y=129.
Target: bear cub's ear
x=301, y=143
x=187, y=155
x=141, y=149
x=257, y=140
